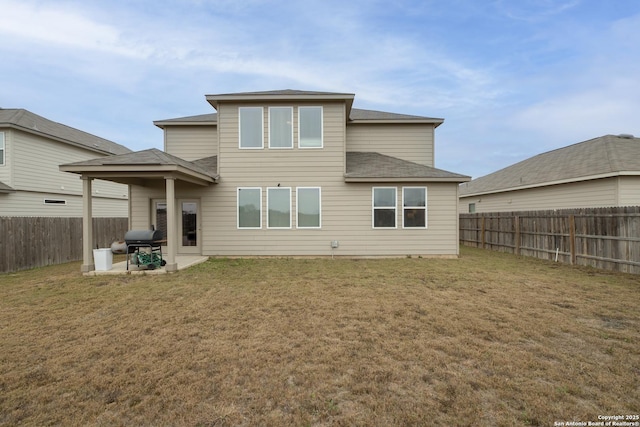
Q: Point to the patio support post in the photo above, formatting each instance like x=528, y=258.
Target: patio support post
x=172, y=233
x=87, y=226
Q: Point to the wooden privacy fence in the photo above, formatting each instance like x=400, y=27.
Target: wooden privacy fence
x=28, y=242
x=607, y=238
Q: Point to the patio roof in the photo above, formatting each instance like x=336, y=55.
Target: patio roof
x=147, y=164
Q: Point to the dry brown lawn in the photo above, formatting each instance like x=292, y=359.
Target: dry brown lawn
x=489, y=339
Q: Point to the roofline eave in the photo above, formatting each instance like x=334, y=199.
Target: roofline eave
x=550, y=183
x=57, y=139
x=436, y=122
x=456, y=180
x=142, y=171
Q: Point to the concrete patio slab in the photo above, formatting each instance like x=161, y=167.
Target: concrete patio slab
x=183, y=261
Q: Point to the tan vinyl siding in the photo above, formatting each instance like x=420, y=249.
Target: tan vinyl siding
x=629, y=190
x=346, y=207
x=32, y=170
x=191, y=142
x=5, y=169
x=412, y=142
x=35, y=162
x=141, y=207
x=346, y=217
x=585, y=194
x=22, y=203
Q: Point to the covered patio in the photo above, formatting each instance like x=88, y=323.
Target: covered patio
x=182, y=262
x=142, y=168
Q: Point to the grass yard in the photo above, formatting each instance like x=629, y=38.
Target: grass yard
x=489, y=339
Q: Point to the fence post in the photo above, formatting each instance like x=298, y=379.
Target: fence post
x=482, y=232
x=572, y=238
x=516, y=223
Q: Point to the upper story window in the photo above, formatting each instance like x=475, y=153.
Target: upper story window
x=280, y=127
x=2, y=149
x=414, y=207
x=384, y=207
x=310, y=127
x=251, y=127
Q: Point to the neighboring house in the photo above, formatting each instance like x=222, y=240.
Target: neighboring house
x=600, y=172
x=290, y=173
x=31, y=184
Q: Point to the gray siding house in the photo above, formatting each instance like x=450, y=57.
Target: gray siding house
x=290, y=173
x=31, y=149
x=600, y=172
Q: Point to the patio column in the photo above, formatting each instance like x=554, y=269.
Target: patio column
x=87, y=226
x=172, y=229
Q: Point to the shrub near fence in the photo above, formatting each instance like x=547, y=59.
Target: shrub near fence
x=28, y=242
x=607, y=238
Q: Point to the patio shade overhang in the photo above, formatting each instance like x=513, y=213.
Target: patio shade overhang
x=141, y=166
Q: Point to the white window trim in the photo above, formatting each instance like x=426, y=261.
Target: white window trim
x=373, y=208
x=290, y=210
x=3, y=148
x=319, y=205
x=261, y=147
x=238, y=208
x=292, y=136
x=415, y=207
x=321, y=127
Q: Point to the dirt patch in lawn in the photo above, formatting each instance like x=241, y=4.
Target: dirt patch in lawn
x=488, y=339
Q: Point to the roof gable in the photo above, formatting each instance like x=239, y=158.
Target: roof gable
x=26, y=120
x=603, y=156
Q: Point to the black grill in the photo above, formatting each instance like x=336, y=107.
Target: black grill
x=143, y=237
x=149, y=258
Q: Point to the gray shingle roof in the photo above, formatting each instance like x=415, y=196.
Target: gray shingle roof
x=606, y=155
x=359, y=114
x=284, y=92
x=24, y=119
x=154, y=157
x=4, y=188
x=356, y=114
x=370, y=165
x=189, y=120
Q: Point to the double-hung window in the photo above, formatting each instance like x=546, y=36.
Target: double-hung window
x=280, y=127
x=414, y=207
x=249, y=207
x=251, y=127
x=2, y=149
x=384, y=207
x=279, y=207
x=310, y=127
x=308, y=207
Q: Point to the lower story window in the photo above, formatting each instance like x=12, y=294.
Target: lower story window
x=279, y=207
x=308, y=207
x=249, y=208
x=384, y=207
x=414, y=207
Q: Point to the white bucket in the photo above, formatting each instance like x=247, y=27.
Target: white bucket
x=103, y=259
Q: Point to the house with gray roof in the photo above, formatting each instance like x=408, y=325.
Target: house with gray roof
x=289, y=173
x=600, y=172
x=31, y=184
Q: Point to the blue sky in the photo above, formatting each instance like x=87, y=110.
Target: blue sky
x=511, y=78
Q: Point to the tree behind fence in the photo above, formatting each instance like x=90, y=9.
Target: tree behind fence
x=607, y=238
x=28, y=242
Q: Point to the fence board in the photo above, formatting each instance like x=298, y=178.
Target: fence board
x=28, y=242
x=607, y=238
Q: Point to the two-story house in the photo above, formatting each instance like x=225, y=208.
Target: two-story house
x=290, y=173
x=31, y=149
